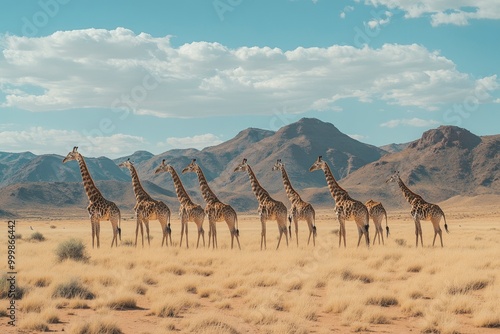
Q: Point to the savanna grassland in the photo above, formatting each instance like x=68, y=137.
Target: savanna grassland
x=391, y=288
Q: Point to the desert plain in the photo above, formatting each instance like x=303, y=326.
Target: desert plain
x=390, y=288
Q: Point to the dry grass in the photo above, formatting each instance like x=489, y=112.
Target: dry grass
x=391, y=288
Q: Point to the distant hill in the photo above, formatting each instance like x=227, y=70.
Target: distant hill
x=445, y=162
x=394, y=148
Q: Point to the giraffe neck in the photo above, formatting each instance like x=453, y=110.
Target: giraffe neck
x=293, y=196
x=93, y=193
x=409, y=195
x=182, y=195
x=257, y=189
x=206, y=192
x=338, y=193
x=140, y=193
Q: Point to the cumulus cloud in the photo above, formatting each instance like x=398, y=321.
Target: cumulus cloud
x=198, y=141
x=38, y=139
x=415, y=122
x=97, y=68
x=444, y=11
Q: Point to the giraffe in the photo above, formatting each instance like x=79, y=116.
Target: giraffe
x=188, y=211
x=300, y=210
x=215, y=209
x=99, y=208
x=421, y=210
x=147, y=208
x=377, y=212
x=269, y=208
x=346, y=208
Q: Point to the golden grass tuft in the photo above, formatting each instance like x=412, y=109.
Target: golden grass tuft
x=383, y=301
x=348, y=275
x=33, y=322
x=122, y=303
x=468, y=286
x=96, y=326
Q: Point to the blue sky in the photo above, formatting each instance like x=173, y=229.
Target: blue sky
x=114, y=77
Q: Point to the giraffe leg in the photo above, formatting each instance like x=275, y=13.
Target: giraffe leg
x=375, y=237
x=214, y=235
x=441, y=237
x=146, y=223
x=202, y=232
x=360, y=234
x=296, y=221
x=97, y=232
x=182, y=232
x=187, y=243
x=92, y=225
x=198, y=241
x=136, y=230
x=237, y=240
x=209, y=234
x=420, y=232
x=279, y=240
x=416, y=233
x=263, y=232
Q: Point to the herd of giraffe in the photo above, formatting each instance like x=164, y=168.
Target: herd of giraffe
x=346, y=208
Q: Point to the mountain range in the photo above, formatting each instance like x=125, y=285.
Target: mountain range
x=443, y=163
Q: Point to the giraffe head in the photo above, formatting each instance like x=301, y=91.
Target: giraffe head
x=243, y=166
x=278, y=165
x=163, y=167
x=73, y=155
x=126, y=164
x=191, y=168
x=318, y=164
x=394, y=177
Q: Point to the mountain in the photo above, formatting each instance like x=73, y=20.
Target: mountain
x=49, y=168
x=394, y=148
x=444, y=162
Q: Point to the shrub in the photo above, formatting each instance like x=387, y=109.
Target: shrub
x=37, y=236
x=72, y=289
x=5, y=287
x=73, y=249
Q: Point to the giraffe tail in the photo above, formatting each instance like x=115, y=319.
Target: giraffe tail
x=290, y=226
x=119, y=226
x=445, y=225
x=386, y=226
x=237, y=231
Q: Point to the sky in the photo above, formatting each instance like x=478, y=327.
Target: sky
x=114, y=77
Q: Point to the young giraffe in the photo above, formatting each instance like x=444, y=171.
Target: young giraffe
x=300, y=210
x=346, y=208
x=421, y=210
x=377, y=212
x=215, y=209
x=99, y=208
x=147, y=208
x=269, y=208
x=188, y=211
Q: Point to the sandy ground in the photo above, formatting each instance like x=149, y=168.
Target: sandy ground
x=475, y=235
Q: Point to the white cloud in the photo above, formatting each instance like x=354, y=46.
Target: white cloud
x=357, y=137
x=198, y=141
x=415, y=122
x=96, y=68
x=444, y=11
x=39, y=140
